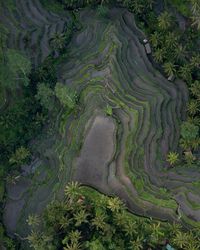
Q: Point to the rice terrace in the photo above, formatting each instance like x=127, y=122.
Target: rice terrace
x=96, y=120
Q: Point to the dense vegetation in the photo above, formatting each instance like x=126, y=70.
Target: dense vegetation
x=86, y=219
x=31, y=97
x=27, y=103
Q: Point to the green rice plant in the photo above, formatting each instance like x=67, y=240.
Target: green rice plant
x=108, y=110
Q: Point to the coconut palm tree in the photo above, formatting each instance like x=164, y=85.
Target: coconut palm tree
x=81, y=217
x=164, y=21
x=33, y=239
x=150, y=3
x=180, y=240
x=74, y=236
x=185, y=144
x=120, y=219
x=180, y=53
x=185, y=72
x=156, y=233
x=39, y=240
x=159, y=55
x=72, y=190
x=171, y=40
x=115, y=204
x=73, y=246
x=195, y=6
x=33, y=220
x=193, y=107
x=137, y=7
x=57, y=42
x=130, y=228
x=169, y=68
x=172, y=158
x=195, y=61
x=196, y=21
x=136, y=244
x=155, y=39
x=194, y=120
x=12, y=179
x=174, y=228
x=65, y=222
x=195, y=89
x=193, y=241
x=189, y=158
x=99, y=221
x=195, y=143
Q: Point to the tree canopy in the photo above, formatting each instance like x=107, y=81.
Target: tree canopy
x=65, y=95
x=15, y=71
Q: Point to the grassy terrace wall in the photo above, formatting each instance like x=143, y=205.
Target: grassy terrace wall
x=107, y=65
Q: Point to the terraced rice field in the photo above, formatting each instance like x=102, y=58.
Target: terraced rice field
x=31, y=27
x=123, y=154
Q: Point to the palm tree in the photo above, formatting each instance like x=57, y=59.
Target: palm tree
x=137, y=7
x=74, y=236
x=155, y=39
x=195, y=143
x=12, y=179
x=150, y=3
x=39, y=240
x=193, y=245
x=33, y=239
x=159, y=55
x=33, y=220
x=65, y=221
x=172, y=158
x=185, y=144
x=193, y=241
x=195, y=89
x=136, y=244
x=193, y=107
x=174, y=228
x=169, y=68
x=80, y=217
x=194, y=120
x=195, y=61
x=171, y=40
x=73, y=246
x=120, y=218
x=115, y=204
x=180, y=53
x=99, y=221
x=72, y=190
x=185, y=72
x=164, y=21
x=57, y=42
x=156, y=233
x=195, y=13
x=180, y=240
x=196, y=21
x=195, y=6
x=189, y=158
x=130, y=228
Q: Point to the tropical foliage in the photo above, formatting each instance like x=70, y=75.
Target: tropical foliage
x=172, y=158
x=65, y=95
x=86, y=219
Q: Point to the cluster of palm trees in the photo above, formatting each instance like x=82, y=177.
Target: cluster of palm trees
x=86, y=219
x=195, y=8
x=178, y=55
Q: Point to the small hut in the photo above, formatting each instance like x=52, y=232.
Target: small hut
x=147, y=46
x=171, y=78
